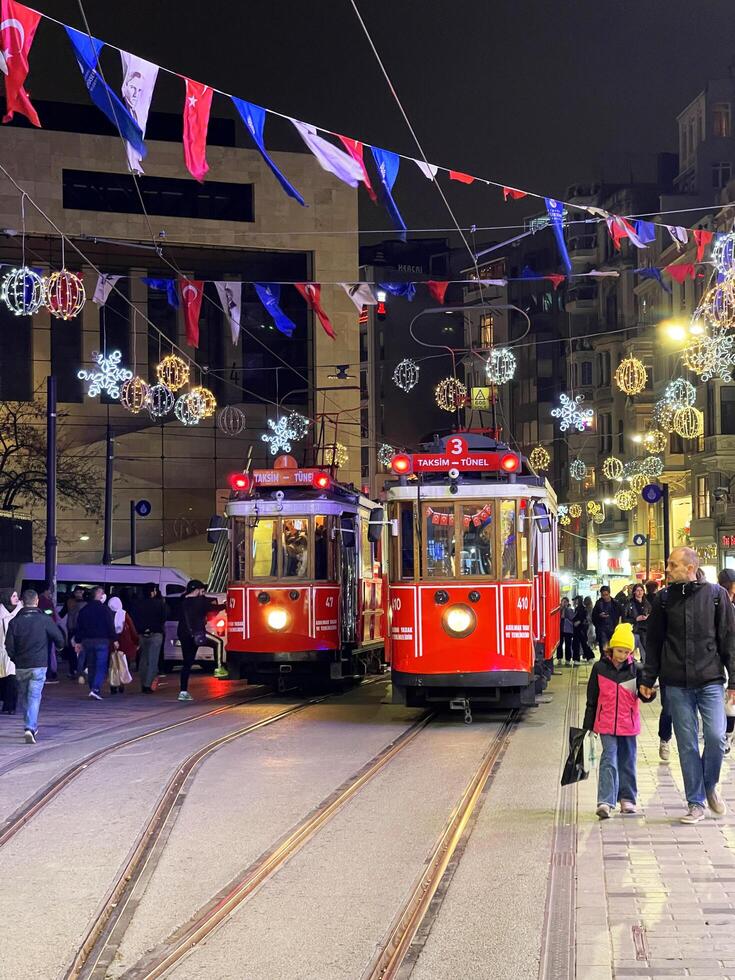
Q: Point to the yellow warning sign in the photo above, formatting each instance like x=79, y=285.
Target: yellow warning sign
x=480, y=398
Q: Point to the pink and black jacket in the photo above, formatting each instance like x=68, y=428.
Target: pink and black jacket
x=612, y=698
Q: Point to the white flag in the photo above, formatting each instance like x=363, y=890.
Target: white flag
x=678, y=233
x=230, y=296
x=103, y=288
x=361, y=293
x=427, y=169
x=139, y=80
x=329, y=157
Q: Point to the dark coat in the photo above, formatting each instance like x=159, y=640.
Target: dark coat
x=95, y=622
x=28, y=636
x=606, y=626
x=632, y=610
x=149, y=615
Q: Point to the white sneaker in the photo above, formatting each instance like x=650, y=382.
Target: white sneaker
x=30, y=737
x=603, y=811
x=95, y=695
x=185, y=696
x=664, y=751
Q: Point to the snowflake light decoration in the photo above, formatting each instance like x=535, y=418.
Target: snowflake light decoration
x=281, y=437
x=578, y=469
x=570, y=414
x=562, y=510
x=722, y=358
x=406, y=374
x=108, y=378
x=500, y=366
x=385, y=454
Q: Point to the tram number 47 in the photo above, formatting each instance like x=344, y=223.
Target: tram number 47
x=523, y=602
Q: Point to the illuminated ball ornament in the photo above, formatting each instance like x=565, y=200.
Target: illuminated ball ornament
x=540, y=458
x=134, y=394
x=662, y=416
x=406, y=374
x=500, y=366
x=717, y=306
x=173, y=372
x=575, y=510
x=385, y=454
x=64, y=294
x=631, y=376
x=22, y=291
x=612, y=468
x=598, y=518
x=638, y=482
x=336, y=455
x=450, y=394
x=593, y=508
x=231, y=420
x=160, y=401
x=680, y=393
x=626, y=499
x=207, y=399
x=699, y=356
x=652, y=466
x=578, y=469
x=689, y=423
x=655, y=441
x=723, y=253
x=189, y=409
x=565, y=520
x=298, y=423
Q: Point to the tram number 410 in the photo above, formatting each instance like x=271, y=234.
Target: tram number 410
x=523, y=602
x=395, y=603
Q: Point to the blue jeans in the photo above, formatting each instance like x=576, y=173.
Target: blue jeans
x=97, y=654
x=617, y=769
x=701, y=773
x=30, y=688
x=664, y=719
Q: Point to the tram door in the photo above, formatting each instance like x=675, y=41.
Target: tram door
x=347, y=554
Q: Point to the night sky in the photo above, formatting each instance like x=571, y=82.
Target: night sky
x=530, y=93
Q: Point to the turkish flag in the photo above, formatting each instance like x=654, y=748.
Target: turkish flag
x=355, y=148
x=197, y=104
x=438, y=289
x=702, y=238
x=681, y=271
x=462, y=178
x=514, y=193
x=311, y=291
x=191, y=299
x=17, y=30
x=556, y=280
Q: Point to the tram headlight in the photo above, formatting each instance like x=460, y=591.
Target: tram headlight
x=277, y=619
x=459, y=620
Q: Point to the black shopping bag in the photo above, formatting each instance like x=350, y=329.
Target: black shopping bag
x=574, y=770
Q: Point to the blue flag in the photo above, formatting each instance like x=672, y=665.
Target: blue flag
x=555, y=210
x=254, y=118
x=653, y=273
x=388, y=164
x=646, y=232
x=269, y=294
x=166, y=285
x=407, y=289
x=87, y=52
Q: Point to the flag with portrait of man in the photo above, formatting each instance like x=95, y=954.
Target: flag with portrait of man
x=139, y=80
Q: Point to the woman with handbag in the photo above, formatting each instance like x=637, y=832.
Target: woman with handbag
x=192, y=631
x=10, y=606
x=128, y=642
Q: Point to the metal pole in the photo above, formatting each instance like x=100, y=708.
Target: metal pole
x=51, y=543
x=133, y=536
x=648, y=544
x=109, y=461
x=667, y=522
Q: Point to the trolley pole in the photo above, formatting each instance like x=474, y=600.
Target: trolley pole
x=51, y=543
x=109, y=463
x=648, y=544
x=133, y=534
x=667, y=521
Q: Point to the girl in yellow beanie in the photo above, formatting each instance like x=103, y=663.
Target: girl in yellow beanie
x=613, y=713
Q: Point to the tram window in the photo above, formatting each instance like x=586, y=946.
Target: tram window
x=321, y=548
x=295, y=547
x=524, y=529
x=406, y=525
x=478, y=528
x=508, y=538
x=239, y=550
x=265, y=556
x=440, y=542
x=542, y=519
x=366, y=548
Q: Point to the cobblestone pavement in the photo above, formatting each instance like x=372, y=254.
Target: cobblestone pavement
x=655, y=898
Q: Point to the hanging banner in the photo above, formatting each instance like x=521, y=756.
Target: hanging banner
x=168, y=286
x=191, y=299
x=103, y=288
x=311, y=291
x=139, y=80
x=388, y=163
x=269, y=294
x=329, y=157
x=254, y=118
x=197, y=105
x=356, y=150
x=230, y=296
x=17, y=30
x=361, y=294
x=555, y=210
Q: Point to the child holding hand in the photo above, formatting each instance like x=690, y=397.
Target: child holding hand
x=613, y=713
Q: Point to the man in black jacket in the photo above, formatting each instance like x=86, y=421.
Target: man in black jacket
x=149, y=617
x=27, y=642
x=94, y=633
x=605, y=617
x=689, y=643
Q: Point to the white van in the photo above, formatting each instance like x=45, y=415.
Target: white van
x=127, y=582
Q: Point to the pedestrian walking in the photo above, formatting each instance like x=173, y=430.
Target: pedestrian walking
x=613, y=713
x=27, y=642
x=74, y=606
x=10, y=606
x=149, y=617
x=726, y=579
x=566, y=615
x=605, y=617
x=95, y=631
x=636, y=612
x=128, y=642
x=690, y=647
x=192, y=631
x=580, y=623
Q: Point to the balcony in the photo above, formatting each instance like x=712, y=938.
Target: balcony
x=581, y=299
x=583, y=246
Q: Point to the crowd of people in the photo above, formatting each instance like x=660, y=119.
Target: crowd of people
x=678, y=643
x=101, y=641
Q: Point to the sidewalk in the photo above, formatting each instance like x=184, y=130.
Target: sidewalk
x=655, y=898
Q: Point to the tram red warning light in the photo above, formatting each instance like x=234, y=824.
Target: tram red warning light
x=510, y=463
x=401, y=463
x=322, y=481
x=239, y=482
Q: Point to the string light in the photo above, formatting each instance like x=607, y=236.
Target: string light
x=655, y=441
x=689, y=422
x=108, y=378
x=299, y=423
x=631, y=376
x=679, y=394
x=593, y=508
x=578, y=469
x=207, y=399
x=571, y=415
x=406, y=374
x=500, y=366
x=22, y=291
x=626, y=499
x=652, y=466
x=231, y=420
x=662, y=416
x=281, y=437
x=385, y=454
x=64, y=294
x=189, y=409
x=336, y=455
x=173, y=372
x=540, y=458
x=575, y=510
x=699, y=356
x=450, y=394
x=612, y=468
x=160, y=401
x=134, y=394
x=598, y=518
x=638, y=482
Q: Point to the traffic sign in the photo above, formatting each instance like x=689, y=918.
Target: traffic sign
x=639, y=539
x=143, y=508
x=652, y=493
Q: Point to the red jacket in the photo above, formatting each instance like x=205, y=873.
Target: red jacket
x=612, y=698
x=128, y=640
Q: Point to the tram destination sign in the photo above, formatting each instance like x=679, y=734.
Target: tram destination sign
x=286, y=477
x=456, y=456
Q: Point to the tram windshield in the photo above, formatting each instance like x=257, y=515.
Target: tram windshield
x=280, y=547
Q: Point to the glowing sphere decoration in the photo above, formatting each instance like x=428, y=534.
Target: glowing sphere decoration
x=575, y=510
x=717, y=306
x=699, y=356
x=578, y=469
x=173, y=372
x=723, y=253
x=160, y=401
x=189, y=409
x=638, y=482
x=207, y=399
x=689, y=423
x=652, y=466
x=631, y=376
x=22, y=291
x=64, y=294
x=500, y=366
x=593, y=508
x=134, y=394
x=231, y=420
x=540, y=458
x=662, y=416
x=406, y=374
x=298, y=423
x=385, y=454
x=450, y=394
x=598, y=518
x=679, y=393
x=655, y=441
x=336, y=455
x=612, y=468
x=626, y=499
x=565, y=520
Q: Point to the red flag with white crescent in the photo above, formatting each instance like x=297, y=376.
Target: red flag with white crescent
x=311, y=291
x=197, y=104
x=438, y=289
x=17, y=30
x=355, y=148
x=191, y=300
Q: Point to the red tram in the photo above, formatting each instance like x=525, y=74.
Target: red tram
x=307, y=597
x=474, y=589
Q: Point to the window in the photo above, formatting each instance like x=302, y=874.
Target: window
x=264, y=554
x=721, y=123
x=16, y=363
x=239, y=550
x=486, y=330
x=606, y=439
x=586, y=372
x=66, y=357
x=709, y=415
x=321, y=548
x=477, y=539
x=621, y=437
x=366, y=548
x=721, y=173
x=405, y=523
x=605, y=368
x=703, y=502
x=439, y=534
x=727, y=411
x=294, y=547
x=508, y=538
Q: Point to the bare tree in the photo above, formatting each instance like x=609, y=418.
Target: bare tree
x=23, y=462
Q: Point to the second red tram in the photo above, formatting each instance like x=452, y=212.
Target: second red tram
x=474, y=589
x=307, y=593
